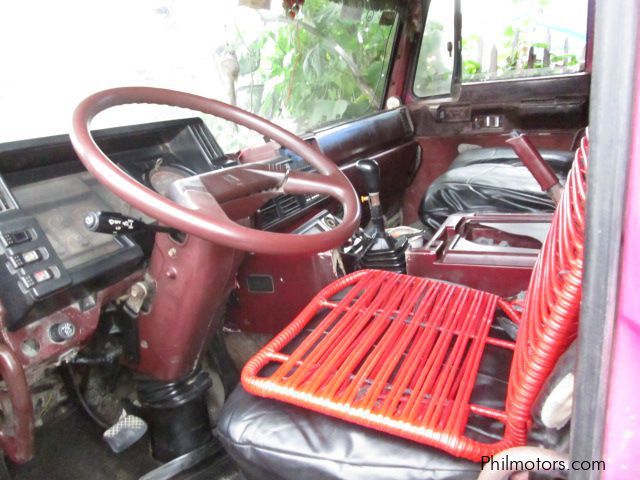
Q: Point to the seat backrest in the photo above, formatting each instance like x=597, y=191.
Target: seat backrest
x=549, y=320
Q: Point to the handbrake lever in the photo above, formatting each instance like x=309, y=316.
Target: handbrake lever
x=539, y=168
x=117, y=224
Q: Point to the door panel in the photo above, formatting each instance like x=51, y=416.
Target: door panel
x=552, y=109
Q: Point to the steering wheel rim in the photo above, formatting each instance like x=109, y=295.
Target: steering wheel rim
x=217, y=227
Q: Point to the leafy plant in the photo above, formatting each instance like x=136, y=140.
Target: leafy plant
x=321, y=67
x=433, y=76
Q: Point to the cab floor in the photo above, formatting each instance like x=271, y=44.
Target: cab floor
x=71, y=447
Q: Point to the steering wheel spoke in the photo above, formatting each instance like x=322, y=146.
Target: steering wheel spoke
x=206, y=205
x=301, y=183
x=242, y=181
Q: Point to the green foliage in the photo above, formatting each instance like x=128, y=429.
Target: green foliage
x=471, y=67
x=513, y=48
x=321, y=67
x=433, y=75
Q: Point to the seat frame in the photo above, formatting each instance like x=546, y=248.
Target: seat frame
x=400, y=354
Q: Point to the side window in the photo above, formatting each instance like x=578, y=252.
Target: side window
x=504, y=39
x=435, y=61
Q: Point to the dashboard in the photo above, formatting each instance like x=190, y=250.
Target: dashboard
x=47, y=256
x=55, y=274
x=59, y=207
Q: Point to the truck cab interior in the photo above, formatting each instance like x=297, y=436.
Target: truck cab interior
x=318, y=239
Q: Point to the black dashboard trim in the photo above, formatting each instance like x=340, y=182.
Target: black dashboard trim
x=29, y=161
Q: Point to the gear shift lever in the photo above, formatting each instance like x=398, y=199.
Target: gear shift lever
x=370, y=172
x=381, y=251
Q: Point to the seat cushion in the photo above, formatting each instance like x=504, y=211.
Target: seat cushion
x=484, y=187
x=397, y=353
x=274, y=440
x=269, y=439
x=277, y=441
x=559, y=160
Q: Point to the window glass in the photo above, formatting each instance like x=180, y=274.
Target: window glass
x=502, y=39
x=327, y=64
x=435, y=61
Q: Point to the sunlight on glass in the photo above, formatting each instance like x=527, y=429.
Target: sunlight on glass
x=522, y=38
x=502, y=39
x=327, y=65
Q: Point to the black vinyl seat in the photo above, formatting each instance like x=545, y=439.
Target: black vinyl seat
x=560, y=160
x=273, y=440
x=490, y=180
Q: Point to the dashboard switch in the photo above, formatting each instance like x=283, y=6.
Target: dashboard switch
x=61, y=332
x=31, y=256
x=28, y=281
x=42, y=275
x=21, y=259
x=16, y=238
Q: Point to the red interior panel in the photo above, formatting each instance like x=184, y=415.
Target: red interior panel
x=272, y=290
x=459, y=253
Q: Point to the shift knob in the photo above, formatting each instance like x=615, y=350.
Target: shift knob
x=370, y=172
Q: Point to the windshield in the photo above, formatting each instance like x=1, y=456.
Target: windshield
x=329, y=63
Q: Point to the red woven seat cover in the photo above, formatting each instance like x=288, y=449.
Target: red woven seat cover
x=400, y=354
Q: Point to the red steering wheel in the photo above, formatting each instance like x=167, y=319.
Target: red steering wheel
x=206, y=205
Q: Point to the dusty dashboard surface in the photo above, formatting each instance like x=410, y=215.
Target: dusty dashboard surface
x=60, y=205
x=48, y=258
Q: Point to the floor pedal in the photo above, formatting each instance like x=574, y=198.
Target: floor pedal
x=125, y=432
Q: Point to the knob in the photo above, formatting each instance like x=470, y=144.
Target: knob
x=61, y=332
x=115, y=223
x=539, y=168
x=370, y=172
x=112, y=223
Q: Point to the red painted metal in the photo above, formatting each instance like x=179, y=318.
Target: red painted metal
x=193, y=281
x=400, y=354
x=296, y=280
x=85, y=322
x=16, y=433
x=453, y=254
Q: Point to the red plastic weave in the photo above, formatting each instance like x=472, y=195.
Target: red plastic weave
x=400, y=354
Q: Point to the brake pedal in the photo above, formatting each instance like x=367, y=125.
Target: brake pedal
x=125, y=432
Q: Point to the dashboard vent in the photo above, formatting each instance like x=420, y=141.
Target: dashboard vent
x=268, y=213
x=285, y=207
x=278, y=209
x=211, y=149
x=6, y=200
x=288, y=204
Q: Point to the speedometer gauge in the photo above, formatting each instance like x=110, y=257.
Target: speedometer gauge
x=161, y=178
